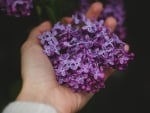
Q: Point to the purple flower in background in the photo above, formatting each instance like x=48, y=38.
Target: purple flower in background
x=2, y=4
x=16, y=7
x=81, y=51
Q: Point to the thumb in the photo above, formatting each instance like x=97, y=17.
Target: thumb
x=45, y=26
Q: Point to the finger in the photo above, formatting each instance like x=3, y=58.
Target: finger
x=108, y=72
x=44, y=26
x=94, y=10
x=126, y=47
x=111, y=23
x=41, y=28
x=33, y=59
x=32, y=39
x=38, y=30
x=67, y=20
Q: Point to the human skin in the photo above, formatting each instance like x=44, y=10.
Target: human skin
x=39, y=82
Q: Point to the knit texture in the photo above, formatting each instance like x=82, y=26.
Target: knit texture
x=28, y=107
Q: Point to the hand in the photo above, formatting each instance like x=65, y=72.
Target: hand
x=39, y=82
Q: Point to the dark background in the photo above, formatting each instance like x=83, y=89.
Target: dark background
x=125, y=92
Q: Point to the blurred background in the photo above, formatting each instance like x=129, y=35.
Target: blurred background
x=125, y=92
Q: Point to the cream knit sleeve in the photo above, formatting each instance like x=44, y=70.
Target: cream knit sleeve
x=28, y=107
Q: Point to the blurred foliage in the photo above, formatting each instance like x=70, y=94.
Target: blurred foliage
x=54, y=10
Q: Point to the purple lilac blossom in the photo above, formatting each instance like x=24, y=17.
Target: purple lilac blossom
x=115, y=8
x=17, y=7
x=81, y=51
x=2, y=4
x=84, y=4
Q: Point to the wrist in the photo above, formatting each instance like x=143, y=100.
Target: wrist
x=29, y=107
x=33, y=93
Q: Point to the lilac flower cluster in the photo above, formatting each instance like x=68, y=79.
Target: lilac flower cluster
x=16, y=7
x=81, y=51
x=115, y=8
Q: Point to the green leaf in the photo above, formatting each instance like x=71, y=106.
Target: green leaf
x=51, y=14
x=39, y=10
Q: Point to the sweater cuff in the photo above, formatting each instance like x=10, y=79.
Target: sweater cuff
x=28, y=107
